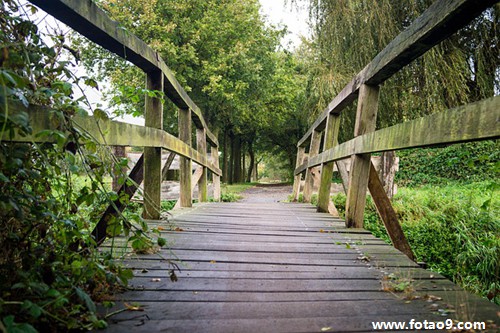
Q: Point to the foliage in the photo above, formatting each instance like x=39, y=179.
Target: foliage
x=453, y=228
x=226, y=58
x=52, y=193
x=467, y=162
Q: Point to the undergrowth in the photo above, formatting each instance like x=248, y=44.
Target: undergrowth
x=53, y=193
x=454, y=228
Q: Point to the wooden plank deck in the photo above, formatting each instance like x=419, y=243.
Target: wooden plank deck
x=282, y=267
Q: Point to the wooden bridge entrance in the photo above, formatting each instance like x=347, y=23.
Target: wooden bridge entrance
x=279, y=267
x=282, y=267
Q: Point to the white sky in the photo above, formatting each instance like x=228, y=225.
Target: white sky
x=294, y=17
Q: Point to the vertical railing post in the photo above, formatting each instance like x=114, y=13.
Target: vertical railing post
x=297, y=179
x=201, y=146
x=185, y=163
x=214, y=151
x=331, y=140
x=366, y=117
x=153, y=117
x=313, y=151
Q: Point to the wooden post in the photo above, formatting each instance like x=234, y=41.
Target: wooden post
x=153, y=117
x=331, y=140
x=201, y=146
x=344, y=174
x=366, y=117
x=215, y=178
x=186, y=163
x=297, y=178
x=387, y=214
x=313, y=151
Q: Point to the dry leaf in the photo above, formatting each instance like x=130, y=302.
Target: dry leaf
x=160, y=228
x=321, y=230
x=178, y=229
x=133, y=307
x=213, y=261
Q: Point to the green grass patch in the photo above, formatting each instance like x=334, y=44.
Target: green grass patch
x=231, y=192
x=454, y=228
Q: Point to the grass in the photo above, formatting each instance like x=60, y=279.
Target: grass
x=454, y=228
x=231, y=192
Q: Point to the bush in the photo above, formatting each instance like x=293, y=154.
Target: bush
x=466, y=163
x=455, y=229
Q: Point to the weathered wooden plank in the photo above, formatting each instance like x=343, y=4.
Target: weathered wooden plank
x=332, y=323
x=262, y=310
x=222, y=296
x=298, y=177
x=475, y=121
x=215, y=177
x=387, y=214
x=117, y=206
x=92, y=22
x=438, y=22
x=366, y=117
x=166, y=166
x=331, y=140
x=331, y=274
x=185, y=134
x=309, y=179
x=201, y=146
x=153, y=117
x=195, y=178
x=107, y=132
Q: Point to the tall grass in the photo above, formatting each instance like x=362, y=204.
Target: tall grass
x=454, y=228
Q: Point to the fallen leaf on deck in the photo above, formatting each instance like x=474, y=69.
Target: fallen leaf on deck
x=133, y=307
x=160, y=228
x=178, y=229
x=321, y=230
x=213, y=261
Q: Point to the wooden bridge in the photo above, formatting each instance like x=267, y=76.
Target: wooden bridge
x=282, y=267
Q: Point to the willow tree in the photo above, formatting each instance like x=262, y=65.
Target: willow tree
x=349, y=33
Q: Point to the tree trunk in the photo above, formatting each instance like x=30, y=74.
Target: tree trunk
x=252, y=161
x=236, y=157
x=230, y=170
x=225, y=153
x=243, y=162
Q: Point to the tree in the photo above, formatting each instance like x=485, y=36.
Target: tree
x=224, y=55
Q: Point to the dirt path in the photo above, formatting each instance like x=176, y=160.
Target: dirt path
x=266, y=193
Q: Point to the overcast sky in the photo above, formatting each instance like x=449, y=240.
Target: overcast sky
x=294, y=17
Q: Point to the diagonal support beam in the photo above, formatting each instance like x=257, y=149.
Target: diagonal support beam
x=387, y=214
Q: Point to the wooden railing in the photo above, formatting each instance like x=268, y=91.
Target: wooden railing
x=476, y=121
x=90, y=21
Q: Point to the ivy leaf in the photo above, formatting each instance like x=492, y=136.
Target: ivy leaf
x=85, y=298
x=12, y=327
